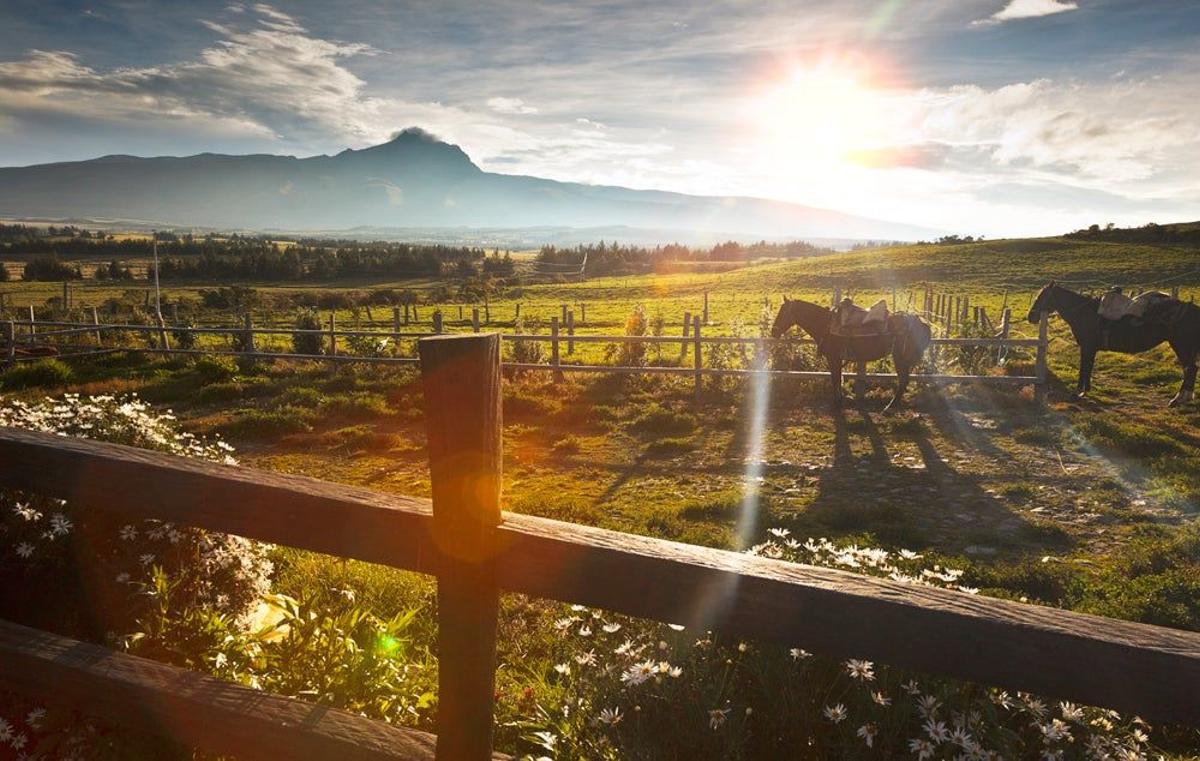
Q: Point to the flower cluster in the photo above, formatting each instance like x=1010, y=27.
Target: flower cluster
x=620, y=687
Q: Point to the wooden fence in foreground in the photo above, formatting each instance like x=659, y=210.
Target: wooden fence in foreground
x=32, y=333
x=475, y=551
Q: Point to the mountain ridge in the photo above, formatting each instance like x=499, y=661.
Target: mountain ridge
x=412, y=180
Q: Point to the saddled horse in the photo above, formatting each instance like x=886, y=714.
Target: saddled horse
x=905, y=338
x=1172, y=321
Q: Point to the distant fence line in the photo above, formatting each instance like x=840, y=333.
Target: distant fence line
x=38, y=335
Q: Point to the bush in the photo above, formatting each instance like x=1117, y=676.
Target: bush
x=524, y=351
x=45, y=373
x=660, y=420
x=50, y=268
x=266, y=424
x=214, y=369
x=308, y=343
x=568, y=444
x=358, y=405
x=630, y=353
x=220, y=392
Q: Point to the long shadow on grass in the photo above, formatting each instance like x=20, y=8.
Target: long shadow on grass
x=916, y=507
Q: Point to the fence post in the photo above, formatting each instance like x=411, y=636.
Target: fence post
x=706, y=307
x=395, y=331
x=697, y=360
x=66, y=299
x=474, y=319
x=248, y=343
x=437, y=321
x=570, y=331
x=461, y=383
x=332, y=335
x=517, y=313
x=583, y=312
x=175, y=313
x=406, y=313
x=460, y=314
x=554, y=362
x=1005, y=321
x=10, y=333
x=1041, y=371
x=487, y=312
x=96, y=321
x=687, y=327
x=32, y=327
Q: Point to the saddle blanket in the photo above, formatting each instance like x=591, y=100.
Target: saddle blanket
x=853, y=320
x=1115, y=305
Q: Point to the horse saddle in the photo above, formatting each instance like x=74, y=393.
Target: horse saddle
x=1115, y=305
x=852, y=320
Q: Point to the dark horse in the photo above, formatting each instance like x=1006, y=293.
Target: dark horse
x=906, y=339
x=1172, y=321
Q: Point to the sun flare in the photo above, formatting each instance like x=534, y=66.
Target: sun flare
x=818, y=116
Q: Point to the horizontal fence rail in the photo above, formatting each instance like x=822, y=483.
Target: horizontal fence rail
x=29, y=332
x=188, y=707
x=1150, y=670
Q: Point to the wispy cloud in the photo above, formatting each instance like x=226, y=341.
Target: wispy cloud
x=1021, y=9
x=510, y=106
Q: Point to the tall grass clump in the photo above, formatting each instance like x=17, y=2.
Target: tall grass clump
x=308, y=342
x=45, y=373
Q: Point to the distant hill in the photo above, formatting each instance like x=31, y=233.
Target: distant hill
x=412, y=181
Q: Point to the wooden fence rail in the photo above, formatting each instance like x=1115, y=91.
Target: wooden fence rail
x=556, y=339
x=475, y=551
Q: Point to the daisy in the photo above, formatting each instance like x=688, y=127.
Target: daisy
x=862, y=670
x=867, y=732
x=24, y=549
x=610, y=716
x=921, y=747
x=881, y=699
x=717, y=716
x=837, y=714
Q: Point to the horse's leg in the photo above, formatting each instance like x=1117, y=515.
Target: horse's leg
x=1087, y=360
x=860, y=382
x=902, y=374
x=834, y=360
x=1187, y=358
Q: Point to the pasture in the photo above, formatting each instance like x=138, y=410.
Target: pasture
x=1090, y=505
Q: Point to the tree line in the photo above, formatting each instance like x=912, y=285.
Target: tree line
x=615, y=258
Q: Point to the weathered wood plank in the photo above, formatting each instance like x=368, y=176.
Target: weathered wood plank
x=1132, y=667
x=191, y=708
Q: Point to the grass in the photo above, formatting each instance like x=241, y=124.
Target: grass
x=1084, y=504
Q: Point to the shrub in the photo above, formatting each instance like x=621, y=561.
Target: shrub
x=308, y=343
x=266, y=424
x=660, y=420
x=44, y=373
x=357, y=405
x=50, y=268
x=670, y=447
x=630, y=353
x=525, y=351
x=220, y=392
x=214, y=369
x=568, y=444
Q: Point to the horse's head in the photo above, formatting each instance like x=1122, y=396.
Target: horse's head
x=784, y=318
x=1043, y=303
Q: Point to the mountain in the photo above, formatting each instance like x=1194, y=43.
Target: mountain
x=414, y=180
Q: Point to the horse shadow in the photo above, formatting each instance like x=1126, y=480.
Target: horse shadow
x=875, y=489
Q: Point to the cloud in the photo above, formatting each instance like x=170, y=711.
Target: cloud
x=510, y=106
x=1019, y=9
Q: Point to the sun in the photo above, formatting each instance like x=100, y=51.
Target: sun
x=816, y=116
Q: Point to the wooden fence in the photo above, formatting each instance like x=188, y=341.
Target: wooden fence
x=561, y=339
x=475, y=551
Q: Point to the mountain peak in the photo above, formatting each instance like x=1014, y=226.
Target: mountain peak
x=414, y=148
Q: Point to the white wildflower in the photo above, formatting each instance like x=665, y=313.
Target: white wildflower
x=610, y=716
x=717, y=716
x=836, y=713
x=867, y=732
x=24, y=549
x=861, y=670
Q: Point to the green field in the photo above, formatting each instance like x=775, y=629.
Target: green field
x=1090, y=505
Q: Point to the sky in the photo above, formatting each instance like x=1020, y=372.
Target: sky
x=981, y=117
